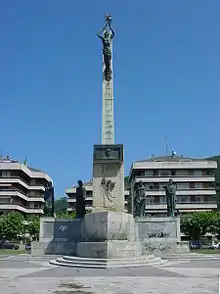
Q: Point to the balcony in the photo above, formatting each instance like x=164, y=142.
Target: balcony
x=22, y=182
x=184, y=205
x=20, y=207
x=177, y=178
x=183, y=192
x=15, y=192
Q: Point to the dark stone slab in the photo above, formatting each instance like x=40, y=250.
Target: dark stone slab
x=108, y=154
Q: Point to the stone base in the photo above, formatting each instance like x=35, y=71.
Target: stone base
x=109, y=249
x=108, y=225
x=54, y=247
x=160, y=235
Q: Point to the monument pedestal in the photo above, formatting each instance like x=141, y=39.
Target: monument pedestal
x=108, y=235
x=108, y=178
x=160, y=235
x=57, y=237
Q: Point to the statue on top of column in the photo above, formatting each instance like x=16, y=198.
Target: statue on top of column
x=106, y=35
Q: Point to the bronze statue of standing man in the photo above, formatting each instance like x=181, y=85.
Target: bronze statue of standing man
x=106, y=35
x=170, y=190
x=139, y=200
x=80, y=200
x=49, y=200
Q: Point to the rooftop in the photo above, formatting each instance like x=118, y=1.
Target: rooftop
x=8, y=159
x=171, y=159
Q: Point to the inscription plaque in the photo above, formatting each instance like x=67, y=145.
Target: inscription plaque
x=108, y=153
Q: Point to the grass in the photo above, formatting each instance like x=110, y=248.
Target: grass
x=205, y=251
x=12, y=252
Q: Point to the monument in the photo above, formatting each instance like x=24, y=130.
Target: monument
x=108, y=160
x=158, y=234
x=107, y=237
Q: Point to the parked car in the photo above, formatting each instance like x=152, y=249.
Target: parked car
x=200, y=245
x=204, y=245
x=28, y=246
x=8, y=245
x=216, y=246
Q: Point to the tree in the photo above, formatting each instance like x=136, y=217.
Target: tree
x=196, y=224
x=12, y=226
x=215, y=225
x=32, y=226
x=60, y=205
x=66, y=215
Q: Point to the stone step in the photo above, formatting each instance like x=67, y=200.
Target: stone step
x=79, y=259
x=190, y=256
x=79, y=262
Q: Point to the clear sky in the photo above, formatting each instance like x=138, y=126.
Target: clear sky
x=166, y=76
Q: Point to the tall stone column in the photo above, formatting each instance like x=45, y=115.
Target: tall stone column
x=108, y=129
x=108, y=158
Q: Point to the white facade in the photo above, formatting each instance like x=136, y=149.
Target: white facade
x=71, y=193
x=21, y=187
x=194, y=179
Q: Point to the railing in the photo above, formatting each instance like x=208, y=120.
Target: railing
x=21, y=205
x=13, y=203
x=182, y=202
x=22, y=179
x=183, y=189
x=22, y=192
x=175, y=176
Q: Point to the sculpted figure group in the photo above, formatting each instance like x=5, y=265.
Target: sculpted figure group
x=139, y=199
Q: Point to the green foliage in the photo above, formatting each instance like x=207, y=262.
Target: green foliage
x=32, y=226
x=215, y=224
x=197, y=224
x=60, y=205
x=66, y=215
x=12, y=226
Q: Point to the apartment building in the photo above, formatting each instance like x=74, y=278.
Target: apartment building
x=21, y=187
x=71, y=193
x=194, y=179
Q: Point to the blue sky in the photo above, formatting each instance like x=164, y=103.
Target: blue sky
x=166, y=76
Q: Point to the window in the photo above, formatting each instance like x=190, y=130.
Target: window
x=36, y=205
x=155, y=172
x=173, y=172
x=190, y=171
x=154, y=186
x=207, y=185
x=207, y=173
x=192, y=199
x=192, y=185
x=182, y=199
x=6, y=174
x=164, y=172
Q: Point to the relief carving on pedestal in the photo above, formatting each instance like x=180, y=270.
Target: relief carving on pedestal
x=108, y=187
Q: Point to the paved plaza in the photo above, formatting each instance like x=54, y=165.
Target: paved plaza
x=27, y=275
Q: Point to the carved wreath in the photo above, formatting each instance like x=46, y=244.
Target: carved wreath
x=108, y=187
